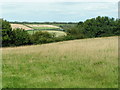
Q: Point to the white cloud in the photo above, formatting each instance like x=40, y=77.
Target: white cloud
x=58, y=11
x=101, y=6
x=60, y=1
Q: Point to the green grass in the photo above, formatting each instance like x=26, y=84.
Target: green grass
x=87, y=63
x=45, y=28
x=57, y=33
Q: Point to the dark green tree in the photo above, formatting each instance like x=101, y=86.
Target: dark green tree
x=100, y=26
x=7, y=34
x=21, y=37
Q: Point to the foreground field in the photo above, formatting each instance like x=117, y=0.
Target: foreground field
x=87, y=63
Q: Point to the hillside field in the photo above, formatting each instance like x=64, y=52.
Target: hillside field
x=41, y=27
x=57, y=33
x=14, y=26
x=85, y=63
x=58, y=25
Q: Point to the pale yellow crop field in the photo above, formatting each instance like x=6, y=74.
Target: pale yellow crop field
x=35, y=25
x=14, y=26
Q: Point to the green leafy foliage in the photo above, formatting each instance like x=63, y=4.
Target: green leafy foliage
x=21, y=37
x=42, y=37
x=96, y=27
x=7, y=34
x=91, y=28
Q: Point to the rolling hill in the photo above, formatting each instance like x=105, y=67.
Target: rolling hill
x=32, y=28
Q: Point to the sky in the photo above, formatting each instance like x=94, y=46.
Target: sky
x=57, y=11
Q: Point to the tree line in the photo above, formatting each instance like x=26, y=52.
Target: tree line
x=16, y=22
x=96, y=27
x=91, y=28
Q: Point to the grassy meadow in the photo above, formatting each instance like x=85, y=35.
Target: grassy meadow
x=44, y=28
x=57, y=33
x=86, y=63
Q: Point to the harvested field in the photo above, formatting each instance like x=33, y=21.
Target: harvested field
x=14, y=26
x=51, y=26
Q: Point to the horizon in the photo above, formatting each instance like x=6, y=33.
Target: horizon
x=54, y=21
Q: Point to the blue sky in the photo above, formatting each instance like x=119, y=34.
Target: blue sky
x=57, y=11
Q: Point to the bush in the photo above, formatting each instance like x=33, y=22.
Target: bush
x=21, y=37
x=75, y=32
x=42, y=37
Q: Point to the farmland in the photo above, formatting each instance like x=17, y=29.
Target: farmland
x=57, y=24
x=32, y=28
x=14, y=26
x=57, y=33
x=45, y=26
x=85, y=63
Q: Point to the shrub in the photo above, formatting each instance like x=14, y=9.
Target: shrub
x=21, y=37
x=42, y=37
